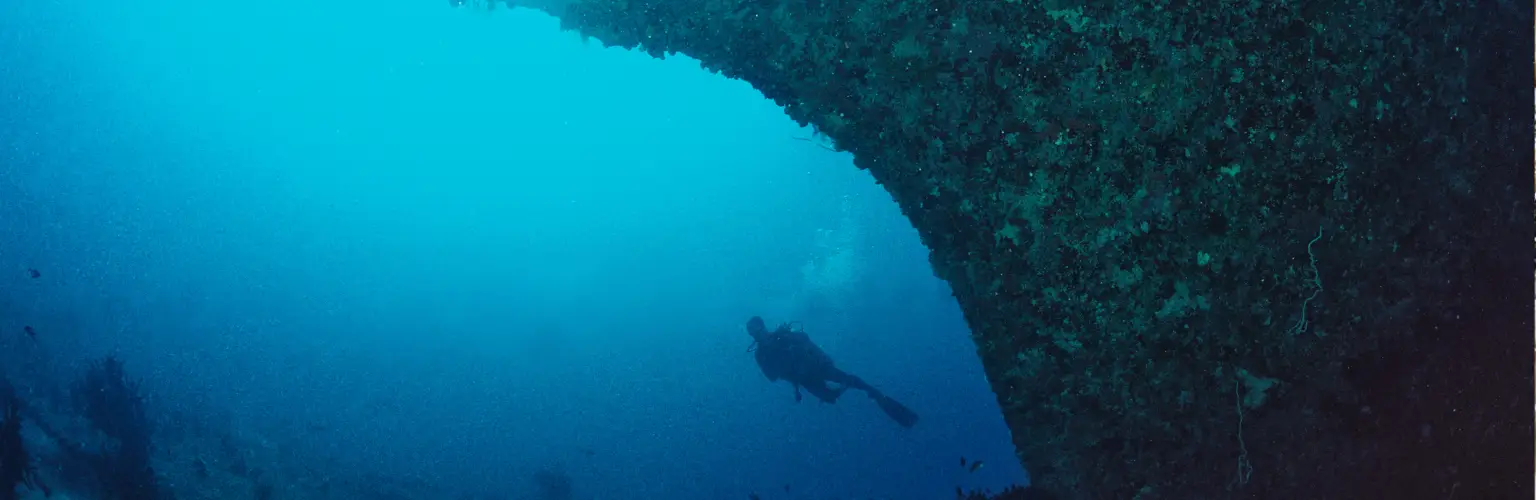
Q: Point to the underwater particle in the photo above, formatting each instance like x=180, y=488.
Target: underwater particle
x=34, y=273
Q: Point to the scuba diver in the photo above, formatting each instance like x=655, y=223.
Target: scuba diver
x=787, y=353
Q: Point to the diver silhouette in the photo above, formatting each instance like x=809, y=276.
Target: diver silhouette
x=787, y=353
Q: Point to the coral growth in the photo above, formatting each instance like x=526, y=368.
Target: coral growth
x=1126, y=199
x=115, y=406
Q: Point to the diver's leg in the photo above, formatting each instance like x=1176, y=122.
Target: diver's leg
x=892, y=408
x=821, y=391
x=850, y=381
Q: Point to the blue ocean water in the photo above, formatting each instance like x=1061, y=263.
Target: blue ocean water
x=392, y=249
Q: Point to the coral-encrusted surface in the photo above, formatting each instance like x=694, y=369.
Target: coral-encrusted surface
x=1208, y=249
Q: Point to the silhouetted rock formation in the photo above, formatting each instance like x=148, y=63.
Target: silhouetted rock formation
x=553, y=484
x=115, y=406
x=1206, y=248
x=16, y=468
x=1011, y=493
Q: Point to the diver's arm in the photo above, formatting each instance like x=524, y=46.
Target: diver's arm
x=768, y=369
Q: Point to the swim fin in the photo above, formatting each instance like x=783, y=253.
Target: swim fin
x=900, y=413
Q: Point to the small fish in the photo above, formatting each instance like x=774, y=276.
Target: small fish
x=786, y=487
x=962, y=462
x=977, y=464
x=30, y=332
x=754, y=496
x=34, y=273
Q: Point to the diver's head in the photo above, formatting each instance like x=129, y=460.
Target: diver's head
x=755, y=326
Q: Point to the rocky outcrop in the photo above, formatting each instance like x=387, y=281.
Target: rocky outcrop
x=1207, y=249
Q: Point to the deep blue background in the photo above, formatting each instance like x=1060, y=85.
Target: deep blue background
x=394, y=238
